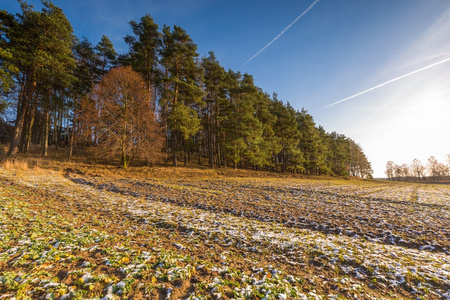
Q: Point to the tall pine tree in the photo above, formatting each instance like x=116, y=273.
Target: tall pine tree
x=181, y=93
x=42, y=43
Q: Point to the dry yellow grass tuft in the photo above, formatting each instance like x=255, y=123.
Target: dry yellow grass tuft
x=15, y=164
x=21, y=166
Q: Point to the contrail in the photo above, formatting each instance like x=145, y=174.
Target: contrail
x=389, y=81
x=281, y=33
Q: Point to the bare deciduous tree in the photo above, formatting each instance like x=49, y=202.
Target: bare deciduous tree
x=390, y=169
x=437, y=169
x=405, y=170
x=417, y=168
x=398, y=171
x=126, y=124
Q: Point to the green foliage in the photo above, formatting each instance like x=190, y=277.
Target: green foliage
x=184, y=119
x=7, y=70
x=145, y=45
x=106, y=53
x=181, y=94
x=288, y=136
x=41, y=42
x=310, y=143
x=88, y=70
x=216, y=112
x=8, y=67
x=204, y=110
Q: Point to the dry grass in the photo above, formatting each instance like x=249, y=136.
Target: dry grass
x=15, y=164
x=85, y=161
x=21, y=166
x=143, y=172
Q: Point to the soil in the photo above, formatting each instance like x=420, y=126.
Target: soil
x=81, y=234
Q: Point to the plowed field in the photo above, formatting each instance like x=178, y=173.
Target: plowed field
x=78, y=235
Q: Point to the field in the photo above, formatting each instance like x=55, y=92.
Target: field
x=195, y=234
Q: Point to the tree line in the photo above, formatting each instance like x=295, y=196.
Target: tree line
x=158, y=102
x=433, y=170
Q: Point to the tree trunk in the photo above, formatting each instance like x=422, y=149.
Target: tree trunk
x=16, y=134
x=199, y=153
x=211, y=153
x=125, y=160
x=22, y=108
x=30, y=128
x=72, y=135
x=174, y=147
x=71, y=143
x=25, y=131
x=46, y=133
x=174, y=159
x=56, y=129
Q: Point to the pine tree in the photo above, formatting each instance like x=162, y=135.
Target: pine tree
x=244, y=129
x=359, y=166
x=145, y=46
x=181, y=95
x=42, y=43
x=327, y=154
x=216, y=108
x=8, y=66
x=310, y=144
x=287, y=132
x=220, y=115
x=87, y=73
x=340, y=148
x=269, y=143
x=106, y=53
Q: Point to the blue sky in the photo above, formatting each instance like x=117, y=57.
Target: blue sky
x=337, y=49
